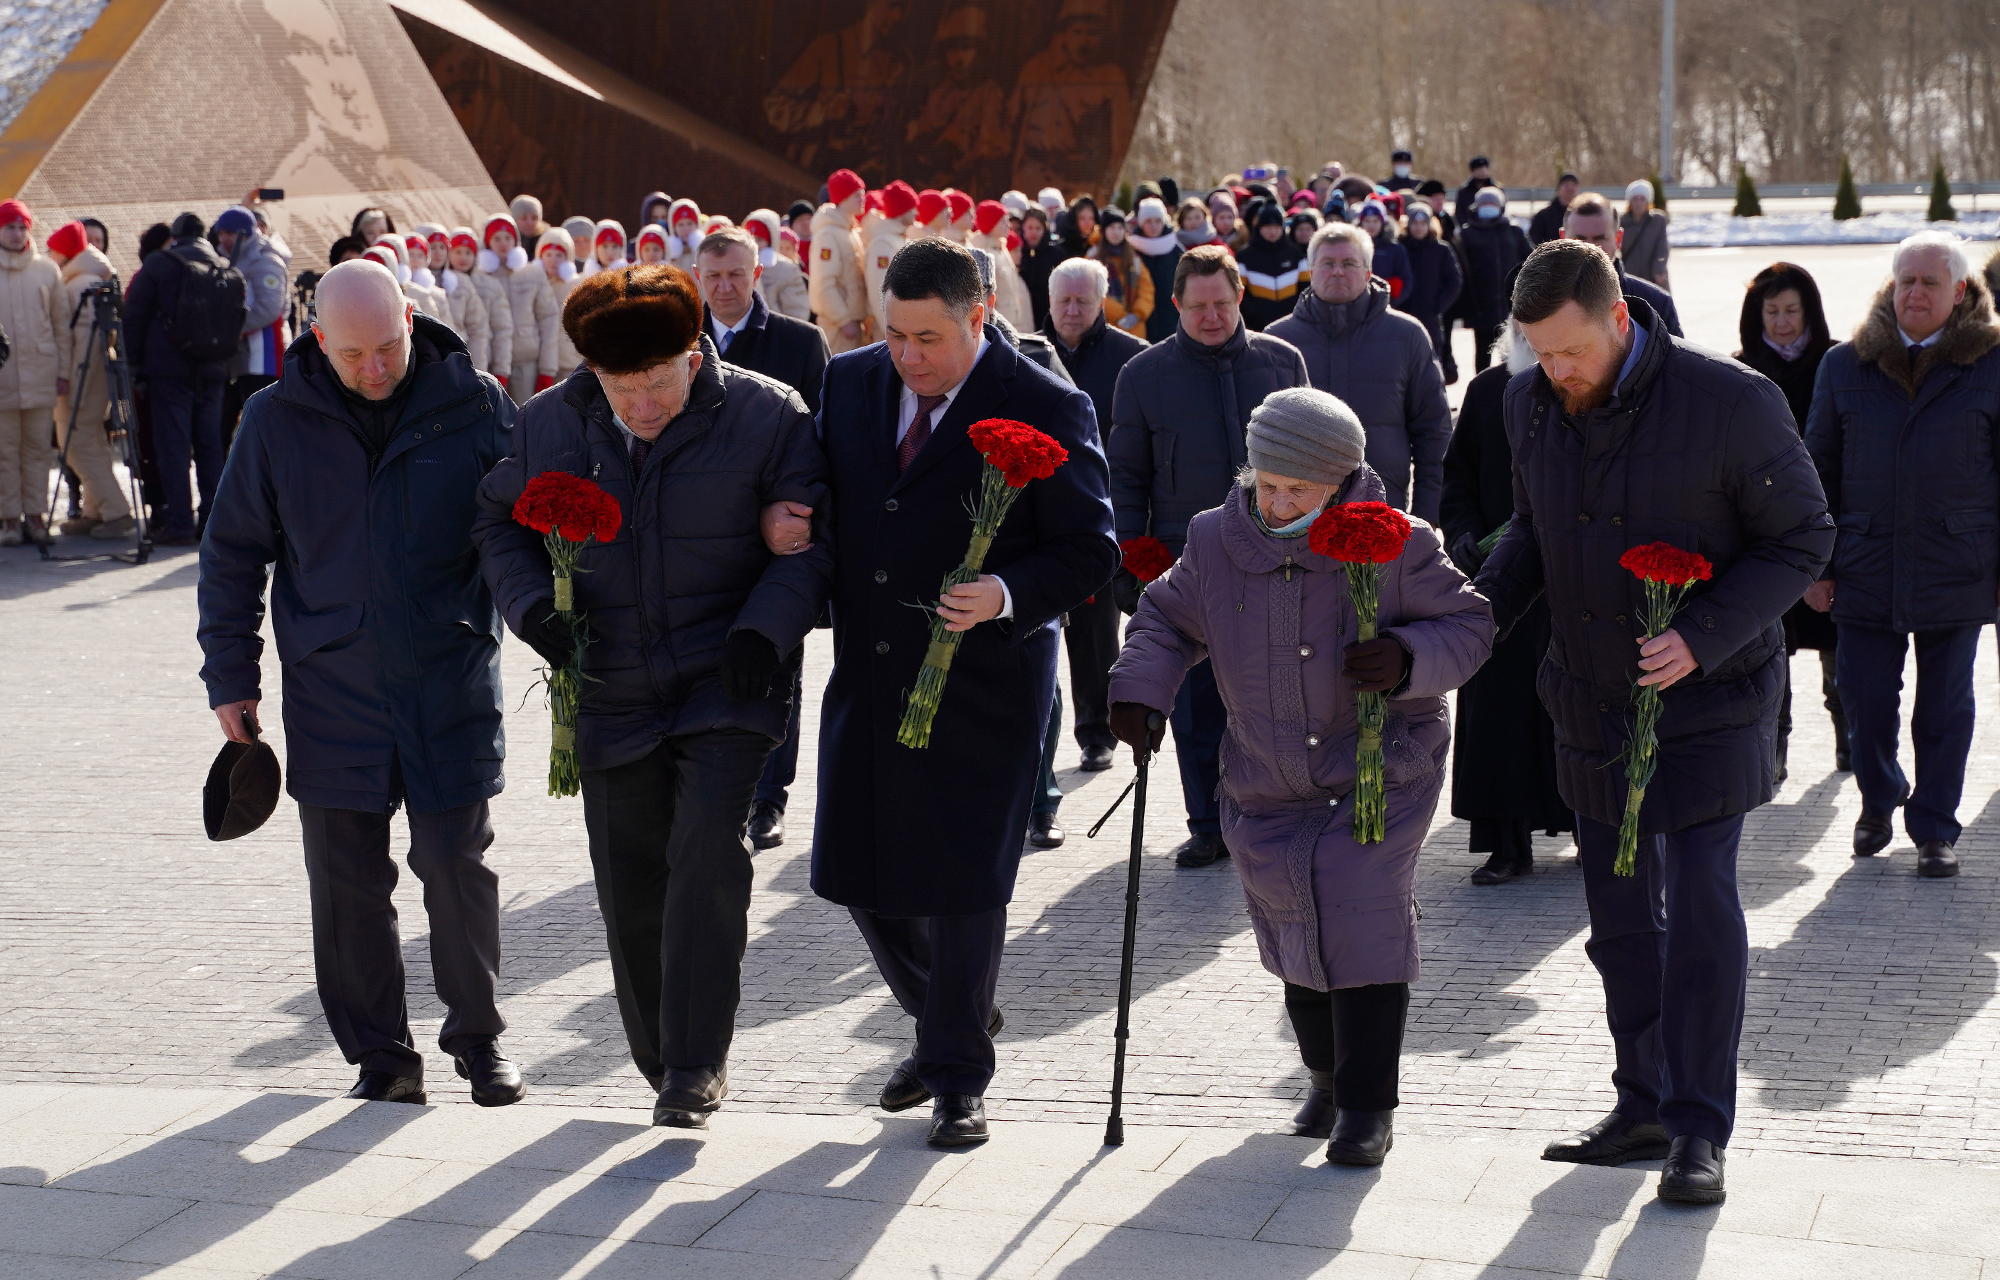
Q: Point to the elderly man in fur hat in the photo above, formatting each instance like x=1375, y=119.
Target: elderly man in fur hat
x=1901, y=428
x=696, y=630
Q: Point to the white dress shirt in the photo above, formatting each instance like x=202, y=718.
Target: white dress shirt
x=906, y=415
x=720, y=329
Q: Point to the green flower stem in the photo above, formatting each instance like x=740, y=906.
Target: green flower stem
x=565, y=683
x=996, y=496
x=1642, y=750
x=1371, y=802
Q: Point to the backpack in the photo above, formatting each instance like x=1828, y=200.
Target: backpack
x=208, y=317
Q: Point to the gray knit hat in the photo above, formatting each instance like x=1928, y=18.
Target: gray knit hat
x=1306, y=434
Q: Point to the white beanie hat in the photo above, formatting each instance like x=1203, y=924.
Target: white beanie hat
x=1016, y=202
x=1639, y=189
x=1152, y=207
x=1049, y=198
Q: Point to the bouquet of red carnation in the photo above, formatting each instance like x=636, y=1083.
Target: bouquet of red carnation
x=1015, y=454
x=569, y=512
x=1668, y=573
x=1364, y=536
x=1146, y=558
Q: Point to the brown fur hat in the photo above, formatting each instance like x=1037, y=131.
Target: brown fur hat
x=629, y=319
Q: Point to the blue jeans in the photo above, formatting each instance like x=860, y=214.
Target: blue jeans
x=1199, y=722
x=187, y=426
x=1670, y=944
x=1871, y=682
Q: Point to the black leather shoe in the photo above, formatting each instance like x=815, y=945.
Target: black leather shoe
x=1500, y=868
x=904, y=1090
x=1612, y=1140
x=1043, y=833
x=1693, y=1172
x=689, y=1094
x=767, y=825
x=1361, y=1137
x=958, y=1120
x=1872, y=834
x=1315, y=1119
x=1937, y=859
x=496, y=1080
x=1199, y=851
x=380, y=1086
x=1096, y=759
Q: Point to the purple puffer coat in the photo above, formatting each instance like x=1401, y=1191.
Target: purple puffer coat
x=1274, y=617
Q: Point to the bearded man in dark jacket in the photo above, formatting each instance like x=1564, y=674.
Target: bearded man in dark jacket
x=355, y=474
x=695, y=629
x=1627, y=436
x=1904, y=426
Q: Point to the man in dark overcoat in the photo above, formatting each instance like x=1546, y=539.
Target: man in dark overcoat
x=922, y=845
x=695, y=632
x=1626, y=436
x=355, y=475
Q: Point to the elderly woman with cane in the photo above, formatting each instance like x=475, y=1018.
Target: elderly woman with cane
x=1335, y=918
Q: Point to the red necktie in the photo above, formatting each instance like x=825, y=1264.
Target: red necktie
x=920, y=431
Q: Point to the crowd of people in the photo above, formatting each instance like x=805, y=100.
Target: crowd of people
x=781, y=409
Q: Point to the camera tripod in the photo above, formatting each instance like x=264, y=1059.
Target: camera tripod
x=107, y=340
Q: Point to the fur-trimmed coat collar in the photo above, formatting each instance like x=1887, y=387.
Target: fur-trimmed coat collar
x=1969, y=333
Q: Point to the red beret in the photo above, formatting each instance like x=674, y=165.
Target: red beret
x=15, y=211
x=930, y=204
x=68, y=239
x=988, y=215
x=961, y=204
x=898, y=198
x=843, y=183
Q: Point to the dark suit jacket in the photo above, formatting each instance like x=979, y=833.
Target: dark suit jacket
x=777, y=346
x=938, y=831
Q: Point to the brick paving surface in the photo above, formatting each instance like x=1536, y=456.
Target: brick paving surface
x=136, y=952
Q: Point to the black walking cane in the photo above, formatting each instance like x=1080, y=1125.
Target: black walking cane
x=1114, y=1128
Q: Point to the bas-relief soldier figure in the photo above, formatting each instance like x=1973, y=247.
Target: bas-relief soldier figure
x=841, y=96
x=961, y=135
x=1072, y=105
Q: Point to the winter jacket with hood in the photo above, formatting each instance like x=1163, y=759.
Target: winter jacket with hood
x=387, y=637
x=1129, y=302
x=469, y=318
x=1693, y=450
x=1434, y=284
x=1010, y=292
x=559, y=286
x=1101, y=354
x=1161, y=255
x=1271, y=280
x=877, y=251
x=1273, y=618
x=1178, y=419
x=835, y=284
x=489, y=280
x=783, y=285
x=688, y=566
x=266, y=291
x=1493, y=247
x=531, y=308
x=1379, y=361
x=1910, y=457
x=1644, y=247
x=149, y=305
x=646, y=208
x=81, y=272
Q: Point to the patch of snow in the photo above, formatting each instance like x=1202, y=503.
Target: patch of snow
x=35, y=36
x=1717, y=230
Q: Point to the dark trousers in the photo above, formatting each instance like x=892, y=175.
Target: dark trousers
x=1199, y=722
x=943, y=970
x=1092, y=640
x=1829, y=691
x=1871, y=682
x=1355, y=1033
x=1670, y=944
x=187, y=425
x=673, y=885
x=357, y=956
x=1483, y=338
x=1048, y=792
x=240, y=389
x=781, y=768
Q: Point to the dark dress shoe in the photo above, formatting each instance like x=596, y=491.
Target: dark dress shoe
x=958, y=1120
x=1199, y=851
x=904, y=1090
x=496, y=1081
x=1043, y=833
x=1872, y=834
x=1315, y=1119
x=1693, y=1172
x=1096, y=759
x=380, y=1086
x=1361, y=1137
x=689, y=1094
x=1612, y=1140
x=767, y=825
x=1500, y=868
x=1937, y=859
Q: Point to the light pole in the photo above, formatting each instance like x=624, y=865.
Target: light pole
x=1666, y=91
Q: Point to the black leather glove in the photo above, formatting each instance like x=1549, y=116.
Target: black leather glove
x=1465, y=553
x=543, y=630
x=1125, y=592
x=748, y=663
x=1378, y=665
x=1128, y=725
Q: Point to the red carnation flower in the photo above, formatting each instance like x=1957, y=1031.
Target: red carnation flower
x=1146, y=558
x=556, y=501
x=1018, y=450
x=1667, y=563
x=1360, y=533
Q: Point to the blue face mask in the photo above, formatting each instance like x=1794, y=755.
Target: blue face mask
x=1489, y=211
x=1296, y=527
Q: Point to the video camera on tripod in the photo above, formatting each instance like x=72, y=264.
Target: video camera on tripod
x=106, y=347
